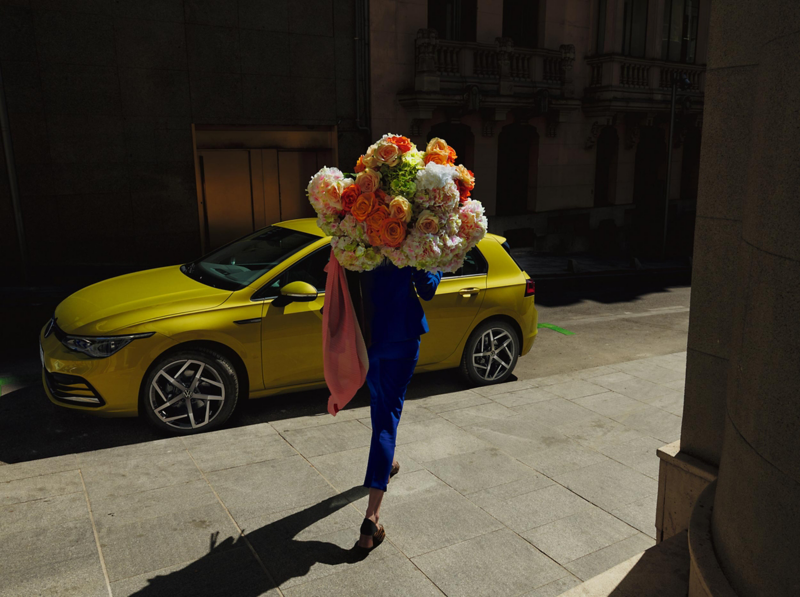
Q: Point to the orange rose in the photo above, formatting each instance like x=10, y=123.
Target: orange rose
x=388, y=154
x=364, y=206
x=360, y=166
x=393, y=232
x=374, y=236
x=427, y=222
x=403, y=143
x=349, y=197
x=368, y=180
x=382, y=197
x=437, y=144
x=376, y=218
x=463, y=190
x=467, y=177
x=437, y=157
x=451, y=155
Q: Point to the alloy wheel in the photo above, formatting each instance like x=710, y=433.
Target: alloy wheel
x=187, y=394
x=493, y=354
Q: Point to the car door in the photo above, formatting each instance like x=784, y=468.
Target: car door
x=452, y=310
x=291, y=336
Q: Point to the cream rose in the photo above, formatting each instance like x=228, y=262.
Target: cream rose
x=388, y=154
x=370, y=159
x=427, y=222
x=368, y=180
x=400, y=209
x=437, y=145
x=466, y=176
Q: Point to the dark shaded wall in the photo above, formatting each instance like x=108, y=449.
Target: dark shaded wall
x=102, y=94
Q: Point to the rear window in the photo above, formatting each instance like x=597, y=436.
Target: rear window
x=507, y=247
x=474, y=264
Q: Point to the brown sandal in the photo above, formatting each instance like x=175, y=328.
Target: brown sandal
x=376, y=530
x=395, y=470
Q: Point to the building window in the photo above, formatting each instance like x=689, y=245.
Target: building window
x=679, y=37
x=634, y=28
x=455, y=20
x=517, y=169
x=601, y=26
x=521, y=22
x=605, y=173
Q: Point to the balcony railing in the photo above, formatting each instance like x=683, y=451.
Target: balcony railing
x=443, y=63
x=636, y=74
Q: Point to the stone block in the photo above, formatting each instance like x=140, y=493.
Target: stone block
x=158, y=139
x=464, y=417
x=310, y=56
x=633, y=387
x=608, y=557
x=609, y=484
x=54, y=544
x=522, y=397
x=213, y=49
x=498, y=563
x=725, y=148
x=152, y=92
x=580, y=534
x=17, y=37
x=243, y=576
x=88, y=139
x=762, y=395
x=346, y=108
x=313, y=100
x=89, y=90
x=704, y=406
x=447, y=517
x=645, y=369
x=681, y=480
x=555, y=588
x=150, y=44
x=17, y=491
x=328, y=439
x=212, y=12
x=599, y=432
x=506, y=388
x=75, y=38
x=535, y=508
x=157, y=10
x=257, y=14
x=33, y=140
x=452, y=401
x=640, y=515
x=653, y=422
x=347, y=469
x=35, y=514
x=264, y=54
x=22, y=87
x=273, y=486
x=476, y=471
x=518, y=436
x=311, y=17
x=575, y=389
x=639, y=454
x=568, y=455
x=155, y=543
x=77, y=577
x=241, y=451
x=216, y=95
x=611, y=404
x=36, y=468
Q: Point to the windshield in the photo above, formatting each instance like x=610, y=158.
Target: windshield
x=240, y=263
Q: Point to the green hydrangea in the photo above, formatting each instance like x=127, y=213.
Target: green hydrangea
x=400, y=180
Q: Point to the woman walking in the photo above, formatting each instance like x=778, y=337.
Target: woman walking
x=394, y=321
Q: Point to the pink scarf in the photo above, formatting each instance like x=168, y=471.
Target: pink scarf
x=344, y=354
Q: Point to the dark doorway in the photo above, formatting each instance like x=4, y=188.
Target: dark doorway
x=690, y=164
x=459, y=137
x=521, y=22
x=605, y=174
x=648, y=190
x=517, y=169
x=455, y=20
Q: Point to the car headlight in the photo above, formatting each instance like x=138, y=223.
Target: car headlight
x=100, y=347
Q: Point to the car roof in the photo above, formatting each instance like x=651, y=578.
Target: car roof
x=309, y=226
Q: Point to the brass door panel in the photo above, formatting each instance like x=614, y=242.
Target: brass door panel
x=228, y=198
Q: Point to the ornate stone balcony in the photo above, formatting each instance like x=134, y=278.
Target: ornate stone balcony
x=491, y=78
x=621, y=83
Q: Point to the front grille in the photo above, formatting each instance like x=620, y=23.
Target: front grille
x=72, y=389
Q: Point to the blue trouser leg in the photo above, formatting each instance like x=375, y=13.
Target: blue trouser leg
x=391, y=366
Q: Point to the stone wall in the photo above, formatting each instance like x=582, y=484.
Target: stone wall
x=102, y=96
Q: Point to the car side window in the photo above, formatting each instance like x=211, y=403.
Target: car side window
x=310, y=269
x=474, y=264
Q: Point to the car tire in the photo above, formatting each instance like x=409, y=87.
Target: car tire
x=482, y=365
x=213, y=397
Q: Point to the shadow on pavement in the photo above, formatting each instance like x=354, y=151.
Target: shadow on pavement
x=229, y=568
x=33, y=428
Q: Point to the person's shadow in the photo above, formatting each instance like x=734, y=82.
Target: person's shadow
x=229, y=567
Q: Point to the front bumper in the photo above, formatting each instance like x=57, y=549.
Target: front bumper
x=105, y=387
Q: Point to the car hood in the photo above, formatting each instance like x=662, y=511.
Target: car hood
x=121, y=302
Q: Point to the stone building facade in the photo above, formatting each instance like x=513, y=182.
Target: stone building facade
x=112, y=104
x=561, y=107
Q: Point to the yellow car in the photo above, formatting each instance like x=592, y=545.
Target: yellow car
x=182, y=344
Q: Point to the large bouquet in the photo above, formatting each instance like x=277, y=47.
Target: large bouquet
x=409, y=206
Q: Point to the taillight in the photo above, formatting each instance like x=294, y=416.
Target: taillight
x=530, y=287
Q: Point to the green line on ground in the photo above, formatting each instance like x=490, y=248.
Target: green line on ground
x=555, y=328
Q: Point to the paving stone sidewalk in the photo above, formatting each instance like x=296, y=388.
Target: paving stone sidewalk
x=527, y=488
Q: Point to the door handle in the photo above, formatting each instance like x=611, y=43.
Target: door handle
x=468, y=291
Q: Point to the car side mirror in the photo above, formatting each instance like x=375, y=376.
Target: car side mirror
x=296, y=292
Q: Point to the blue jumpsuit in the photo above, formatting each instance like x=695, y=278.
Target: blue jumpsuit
x=396, y=321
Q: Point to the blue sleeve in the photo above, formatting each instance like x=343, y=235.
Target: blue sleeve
x=426, y=283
